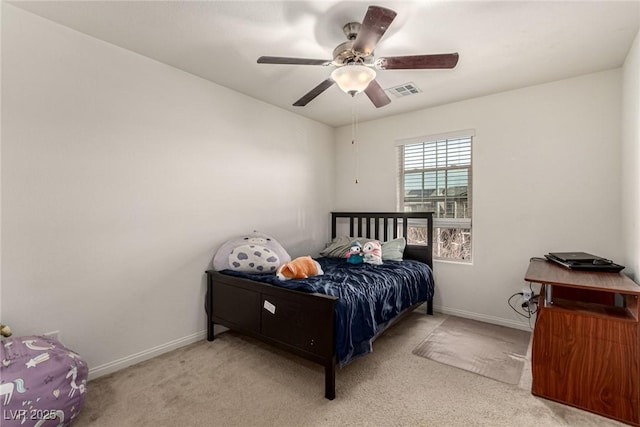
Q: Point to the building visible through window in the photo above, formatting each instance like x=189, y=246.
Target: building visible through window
x=435, y=175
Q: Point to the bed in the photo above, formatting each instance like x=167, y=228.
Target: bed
x=331, y=319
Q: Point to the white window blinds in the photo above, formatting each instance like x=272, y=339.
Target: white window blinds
x=435, y=174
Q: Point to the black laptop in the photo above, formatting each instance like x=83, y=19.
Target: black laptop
x=583, y=261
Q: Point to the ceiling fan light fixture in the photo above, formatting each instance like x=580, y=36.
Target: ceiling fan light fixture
x=353, y=79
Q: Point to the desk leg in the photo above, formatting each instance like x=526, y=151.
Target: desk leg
x=548, y=294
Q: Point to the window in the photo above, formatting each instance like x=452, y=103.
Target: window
x=434, y=174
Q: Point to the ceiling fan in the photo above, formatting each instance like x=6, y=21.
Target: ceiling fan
x=355, y=60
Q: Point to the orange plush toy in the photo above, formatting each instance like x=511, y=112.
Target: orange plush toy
x=299, y=268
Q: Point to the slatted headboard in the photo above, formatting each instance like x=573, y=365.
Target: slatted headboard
x=385, y=226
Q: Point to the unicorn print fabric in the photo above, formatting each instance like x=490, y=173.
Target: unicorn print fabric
x=42, y=382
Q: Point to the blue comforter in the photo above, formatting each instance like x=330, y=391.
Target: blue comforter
x=369, y=297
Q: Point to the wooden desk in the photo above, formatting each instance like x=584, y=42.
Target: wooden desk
x=585, y=349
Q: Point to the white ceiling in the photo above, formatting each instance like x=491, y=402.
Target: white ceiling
x=502, y=44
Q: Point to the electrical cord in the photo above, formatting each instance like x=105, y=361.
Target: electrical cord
x=525, y=309
x=529, y=307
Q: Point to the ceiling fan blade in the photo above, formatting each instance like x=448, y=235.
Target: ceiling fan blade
x=376, y=94
x=310, y=96
x=374, y=25
x=292, y=61
x=414, y=62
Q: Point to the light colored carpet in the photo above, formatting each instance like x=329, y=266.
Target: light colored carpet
x=237, y=381
x=493, y=351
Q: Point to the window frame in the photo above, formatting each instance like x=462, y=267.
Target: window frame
x=456, y=223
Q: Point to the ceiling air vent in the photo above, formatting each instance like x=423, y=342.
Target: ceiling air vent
x=404, y=90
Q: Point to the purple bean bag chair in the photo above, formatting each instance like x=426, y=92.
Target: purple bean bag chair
x=42, y=383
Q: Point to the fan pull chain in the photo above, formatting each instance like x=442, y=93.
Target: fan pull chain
x=354, y=135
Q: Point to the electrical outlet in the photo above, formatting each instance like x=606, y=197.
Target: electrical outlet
x=53, y=334
x=527, y=294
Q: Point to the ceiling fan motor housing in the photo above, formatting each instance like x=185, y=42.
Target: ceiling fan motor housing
x=344, y=54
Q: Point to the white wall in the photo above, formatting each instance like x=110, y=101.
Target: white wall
x=546, y=163
x=631, y=159
x=120, y=178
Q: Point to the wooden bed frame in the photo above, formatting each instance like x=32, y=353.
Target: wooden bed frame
x=304, y=324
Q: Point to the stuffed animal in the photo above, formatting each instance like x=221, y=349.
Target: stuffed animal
x=372, y=252
x=5, y=330
x=299, y=268
x=354, y=256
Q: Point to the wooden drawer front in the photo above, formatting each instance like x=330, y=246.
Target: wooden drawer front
x=236, y=308
x=588, y=361
x=306, y=327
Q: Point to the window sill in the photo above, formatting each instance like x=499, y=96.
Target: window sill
x=452, y=261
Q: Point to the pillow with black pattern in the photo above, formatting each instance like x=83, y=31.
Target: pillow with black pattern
x=254, y=253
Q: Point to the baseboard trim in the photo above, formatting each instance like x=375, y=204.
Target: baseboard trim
x=133, y=359
x=484, y=318
x=119, y=364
